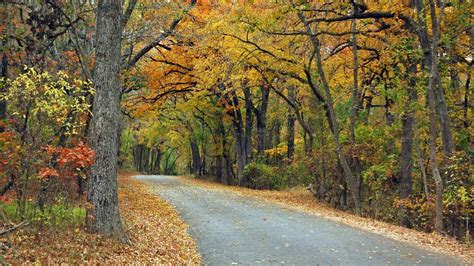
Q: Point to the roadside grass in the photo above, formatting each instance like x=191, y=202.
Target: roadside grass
x=58, y=236
x=59, y=214
x=299, y=198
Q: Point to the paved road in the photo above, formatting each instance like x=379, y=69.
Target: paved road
x=232, y=229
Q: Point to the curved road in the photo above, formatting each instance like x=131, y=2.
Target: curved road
x=231, y=229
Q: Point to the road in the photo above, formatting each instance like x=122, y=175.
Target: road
x=232, y=229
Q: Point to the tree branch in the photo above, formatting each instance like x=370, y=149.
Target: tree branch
x=160, y=38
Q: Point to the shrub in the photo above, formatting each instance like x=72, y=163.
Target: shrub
x=258, y=176
x=297, y=173
x=42, y=153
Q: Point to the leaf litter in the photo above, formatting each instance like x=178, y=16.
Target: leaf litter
x=157, y=234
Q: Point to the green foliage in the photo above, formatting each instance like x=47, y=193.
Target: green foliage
x=59, y=214
x=295, y=174
x=259, y=176
x=46, y=102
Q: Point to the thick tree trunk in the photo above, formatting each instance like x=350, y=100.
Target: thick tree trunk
x=261, y=114
x=219, y=172
x=138, y=157
x=145, y=159
x=406, y=153
x=225, y=172
x=104, y=216
x=239, y=136
x=196, y=157
x=408, y=126
x=157, y=163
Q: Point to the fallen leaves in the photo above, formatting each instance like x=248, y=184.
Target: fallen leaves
x=303, y=200
x=158, y=236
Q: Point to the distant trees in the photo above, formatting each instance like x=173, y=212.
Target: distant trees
x=351, y=81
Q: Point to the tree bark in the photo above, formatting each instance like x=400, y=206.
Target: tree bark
x=157, y=163
x=261, y=114
x=3, y=104
x=239, y=137
x=196, y=158
x=104, y=216
x=219, y=172
x=355, y=88
x=433, y=78
x=290, y=140
x=408, y=124
x=430, y=53
x=237, y=131
x=248, y=121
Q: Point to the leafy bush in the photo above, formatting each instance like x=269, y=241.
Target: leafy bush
x=295, y=174
x=43, y=155
x=258, y=176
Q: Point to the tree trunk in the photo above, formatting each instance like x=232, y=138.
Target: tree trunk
x=3, y=104
x=157, y=163
x=145, y=159
x=290, y=129
x=430, y=53
x=196, y=158
x=138, y=157
x=219, y=167
x=421, y=164
x=408, y=124
x=262, y=120
x=355, y=88
x=406, y=153
x=104, y=216
x=248, y=121
x=239, y=136
x=433, y=78
x=354, y=185
x=433, y=160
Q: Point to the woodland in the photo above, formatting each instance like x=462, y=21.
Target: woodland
x=366, y=104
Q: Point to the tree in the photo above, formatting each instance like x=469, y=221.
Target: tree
x=103, y=215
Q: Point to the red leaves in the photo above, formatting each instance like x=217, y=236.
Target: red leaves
x=46, y=172
x=5, y=199
x=70, y=161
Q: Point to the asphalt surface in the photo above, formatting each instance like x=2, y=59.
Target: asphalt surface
x=230, y=229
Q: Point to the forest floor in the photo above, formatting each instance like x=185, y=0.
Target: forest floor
x=158, y=236
x=243, y=226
